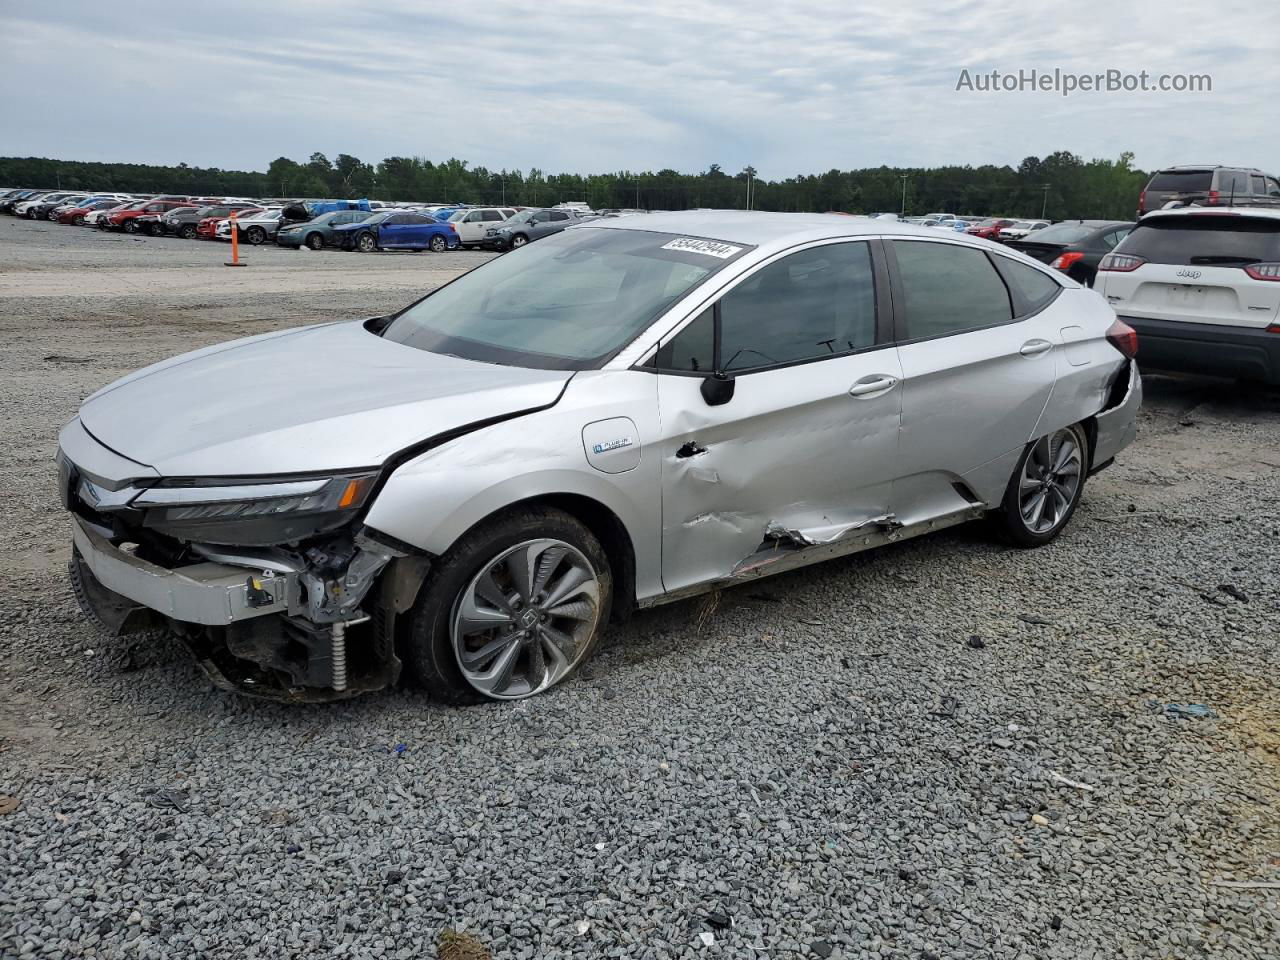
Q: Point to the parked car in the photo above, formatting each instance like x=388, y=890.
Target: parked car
x=207, y=227
x=396, y=230
x=76, y=214
x=95, y=217
x=183, y=221
x=473, y=224
x=127, y=219
x=256, y=228
x=1202, y=288
x=318, y=233
x=990, y=228
x=1074, y=246
x=1209, y=185
x=1020, y=229
x=16, y=197
x=529, y=225
x=36, y=207
x=625, y=414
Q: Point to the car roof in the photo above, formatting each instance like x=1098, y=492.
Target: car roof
x=761, y=229
x=1207, y=166
x=1266, y=213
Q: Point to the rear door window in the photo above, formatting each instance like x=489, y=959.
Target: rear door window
x=1205, y=240
x=948, y=289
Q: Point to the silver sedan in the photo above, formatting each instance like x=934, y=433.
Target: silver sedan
x=629, y=412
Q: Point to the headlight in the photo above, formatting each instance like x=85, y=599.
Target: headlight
x=254, y=513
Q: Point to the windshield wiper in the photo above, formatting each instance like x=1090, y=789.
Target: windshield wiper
x=1226, y=258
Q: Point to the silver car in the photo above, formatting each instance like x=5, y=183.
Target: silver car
x=629, y=412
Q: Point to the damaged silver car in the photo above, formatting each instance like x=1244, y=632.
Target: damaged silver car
x=630, y=412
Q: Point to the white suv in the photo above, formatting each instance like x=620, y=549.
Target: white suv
x=1202, y=288
x=472, y=223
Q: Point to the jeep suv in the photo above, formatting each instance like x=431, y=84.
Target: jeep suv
x=1202, y=288
x=1209, y=185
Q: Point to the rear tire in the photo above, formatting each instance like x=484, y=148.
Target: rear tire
x=1045, y=488
x=554, y=548
x=255, y=235
x=131, y=226
x=438, y=244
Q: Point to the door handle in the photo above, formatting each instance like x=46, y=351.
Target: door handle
x=873, y=385
x=1033, y=348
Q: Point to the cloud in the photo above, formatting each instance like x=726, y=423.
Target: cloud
x=789, y=87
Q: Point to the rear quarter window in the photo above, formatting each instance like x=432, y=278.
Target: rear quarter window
x=1202, y=239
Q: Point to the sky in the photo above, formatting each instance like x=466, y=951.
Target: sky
x=569, y=86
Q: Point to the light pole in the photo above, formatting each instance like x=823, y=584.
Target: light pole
x=904, y=178
x=1044, y=207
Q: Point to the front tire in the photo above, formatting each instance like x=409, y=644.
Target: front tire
x=131, y=226
x=188, y=231
x=514, y=608
x=1045, y=488
x=365, y=243
x=315, y=241
x=519, y=240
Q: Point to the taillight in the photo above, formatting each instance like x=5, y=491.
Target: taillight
x=1124, y=338
x=1120, y=262
x=1274, y=328
x=1142, y=203
x=1065, y=261
x=1263, y=271
x=1213, y=196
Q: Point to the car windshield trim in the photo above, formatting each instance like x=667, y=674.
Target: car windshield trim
x=571, y=301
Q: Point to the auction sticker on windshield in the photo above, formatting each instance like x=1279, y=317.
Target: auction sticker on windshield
x=710, y=248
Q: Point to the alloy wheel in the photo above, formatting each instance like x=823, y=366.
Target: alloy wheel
x=525, y=620
x=1050, y=480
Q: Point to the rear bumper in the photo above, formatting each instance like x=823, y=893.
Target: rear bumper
x=1117, y=425
x=1207, y=348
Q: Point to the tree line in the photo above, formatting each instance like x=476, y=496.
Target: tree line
x=1060, y=186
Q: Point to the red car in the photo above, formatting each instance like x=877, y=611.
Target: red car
x=125, y=219
x=76, y=215
x=207, y=228
x=989, y=229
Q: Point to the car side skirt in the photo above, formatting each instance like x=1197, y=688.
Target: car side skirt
x=781, y=556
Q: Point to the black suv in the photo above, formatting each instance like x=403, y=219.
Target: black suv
x=1210, y=185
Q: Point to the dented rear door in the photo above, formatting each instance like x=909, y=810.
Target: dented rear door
x=805, y=450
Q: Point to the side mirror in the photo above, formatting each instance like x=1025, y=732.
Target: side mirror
x=717, y=389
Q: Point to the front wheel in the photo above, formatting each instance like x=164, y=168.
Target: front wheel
x=519, y=240
x=513, y=609
x=188, y=231
x=315, y=241
x=365, y=243
x=131, y=226
x=439, y=244
x=1045, y=488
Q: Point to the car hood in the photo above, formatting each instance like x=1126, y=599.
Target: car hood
x=319, y=398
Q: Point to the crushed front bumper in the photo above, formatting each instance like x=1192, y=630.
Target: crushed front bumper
x=260, y=632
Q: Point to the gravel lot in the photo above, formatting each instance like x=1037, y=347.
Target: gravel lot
x=945, y=749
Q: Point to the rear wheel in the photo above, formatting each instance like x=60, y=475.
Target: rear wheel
x=255, y=235
x=1045, y=488
x=314, y=241
x=513, y=609
x=438, y=244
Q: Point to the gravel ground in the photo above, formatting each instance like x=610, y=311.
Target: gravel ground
x=944, y=749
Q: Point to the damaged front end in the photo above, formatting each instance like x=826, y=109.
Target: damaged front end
x=302, y=608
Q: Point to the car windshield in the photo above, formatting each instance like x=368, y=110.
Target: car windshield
x=1063, y=233
x=567, y=303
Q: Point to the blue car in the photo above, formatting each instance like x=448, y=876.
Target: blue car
x=396, y=230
